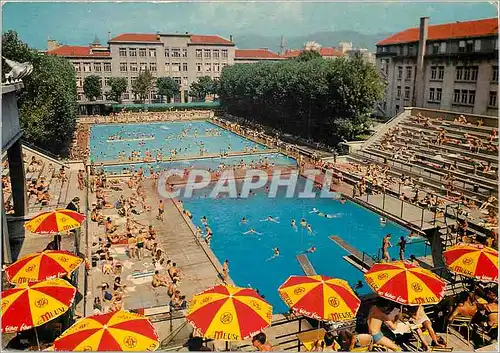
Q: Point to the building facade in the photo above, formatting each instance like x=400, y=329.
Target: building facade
x=251, y=56
x=184, y=57
x=451, y=66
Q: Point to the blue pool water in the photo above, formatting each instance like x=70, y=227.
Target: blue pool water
x=206, y=163
x=167, y=136
x=249, y=255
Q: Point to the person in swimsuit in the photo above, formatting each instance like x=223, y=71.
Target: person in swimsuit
x=311, y=250
x=225, y=271
x=244, y=220
x=270, y=219
x=293, y=223
x=159, y=280
x=402, y=247
x=208, y=234
x=466, y=308
x=386, y=244
x=140, y=244
x=252, y=231
x=303, y=222
x=348, y=341
x=376, y=317
x=161, y=210
x=204, y=220
x=314, y=210
x=309, y=229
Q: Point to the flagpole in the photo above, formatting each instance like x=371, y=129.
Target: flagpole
x=37, y=341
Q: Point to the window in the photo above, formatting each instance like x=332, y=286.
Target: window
x=133, y=80
x=461, y=46
x=472, y=96
x=224, y=53
x=216, y=67
x=223, y=65
x=456, y=96
x=469, y=46
x=167, y=67
x=152, y=53
x=79, y=82
x=433, y=72
x=184, y=66
x=123, y=67
x=107, y=67
x=199, y=67
x=176, y=53
x=207, y=53
x=400, y=72
x=494, y=76
x=177, y=79
x=143, y=66
x=435, y=48
x=106, y=81
x=167, y=52
x=466, y=73
x=408, y=72
x=184, y=53
x=465, y=97
x=152, y=67
x=397, y=108
x=176, y=67
x=79, y=96
x=132, y=52
x=215, y=53
x=126, y=95
x=496, y=44
x=493, y=99
x=208, y=67
x=133, y=67
x=398, y=92
x=442, y=48
x=122, y=52
x=432, y=92
x=439, y=94
x=142, y=52
x=87, y=67
x=477, y=45
x=440, y=73
x=97, y=67
x=77, y=67
x=199, y=53
x=185, y=81
x=407, y=92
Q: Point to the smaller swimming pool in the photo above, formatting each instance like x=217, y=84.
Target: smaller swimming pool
x=206, y=163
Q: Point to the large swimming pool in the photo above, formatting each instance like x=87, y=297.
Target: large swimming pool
x=250, y=255
x=187, y=138
x=205, y=163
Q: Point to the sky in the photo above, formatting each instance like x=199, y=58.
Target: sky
x=78, y=23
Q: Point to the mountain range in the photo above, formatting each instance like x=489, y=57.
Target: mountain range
x=326, y=39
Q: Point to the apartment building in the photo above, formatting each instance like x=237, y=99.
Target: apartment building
x=325, y=52
x=251, y=56
x=452, y=66
x=184, y=57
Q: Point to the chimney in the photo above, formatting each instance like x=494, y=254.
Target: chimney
x=52, y=44
x=419, y=83
x=230, y=37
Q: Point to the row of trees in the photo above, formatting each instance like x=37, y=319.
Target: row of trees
x=142, y=87
x=48, y=103
x=332, y=98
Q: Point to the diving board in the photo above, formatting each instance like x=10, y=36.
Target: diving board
x=360, y=260
x=306, y=265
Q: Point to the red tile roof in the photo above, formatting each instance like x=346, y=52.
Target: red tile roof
x=69, y=50
x=477, y=28
x=255, y=54
x=135, y=37
x=324, y=52
x=202, y=39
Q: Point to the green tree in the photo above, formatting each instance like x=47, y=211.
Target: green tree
x=143, y=85
x=166, y=86
x=117, y=86
x=306, y=55
x=202, y=88
x=48, y=102
x=92, y=87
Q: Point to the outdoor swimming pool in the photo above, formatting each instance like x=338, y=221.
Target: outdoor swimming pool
x=164, y=137
x=206, y=163
x=249, y=254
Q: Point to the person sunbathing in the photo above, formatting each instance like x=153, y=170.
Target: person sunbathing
x=159, y=280
x=348, y=341
x=466, y=308
x=417, y=315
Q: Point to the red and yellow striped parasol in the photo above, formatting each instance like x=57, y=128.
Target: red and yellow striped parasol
x=115, y=331
x=405, y=283
x=41, y=266
x=229, y=313
x=55, y=221
x=34, y=304
x=473, y=260
x=320, y=297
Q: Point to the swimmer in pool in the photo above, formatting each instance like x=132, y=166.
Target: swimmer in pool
x=314, y=210
x=326, y=215
x=311, y=250
x=309, y=229
x=383, y=220
x=293, y=223
x=244, y=220
x=276, y=253
x=303, y=222
x=252, y=231
x=270, y=219
x=204, y=220
x=343, y=200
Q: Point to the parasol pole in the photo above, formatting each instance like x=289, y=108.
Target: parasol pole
x=37, y=340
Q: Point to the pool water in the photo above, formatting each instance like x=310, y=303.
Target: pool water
x=167, y=136
x=206, y=163
x=250, y=255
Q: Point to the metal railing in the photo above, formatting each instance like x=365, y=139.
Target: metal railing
x=43, y=151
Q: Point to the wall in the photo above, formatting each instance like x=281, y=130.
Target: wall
x=11, y=130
